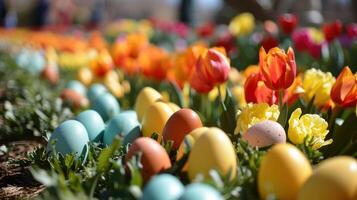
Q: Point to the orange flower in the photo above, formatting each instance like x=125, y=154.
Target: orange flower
x=256, y=91
x=212, y=68
x=344, y=91
x=155, y=59
x=277, y=68
x=102, y=64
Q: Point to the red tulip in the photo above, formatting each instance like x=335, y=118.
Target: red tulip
x=352, y=30
x=277, y=68
x=288, y=22
x=212, y=68
x=344, y=91
x=269, y=42
x=255, y=91
x=332, y=30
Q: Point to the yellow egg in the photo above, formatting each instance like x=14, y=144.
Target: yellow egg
x=173, y=106
x=155, y=119
x=188, y=143
x=146, y=97
x=85, y=76
x=334, y=178
x=212, y=151
x=283, y=171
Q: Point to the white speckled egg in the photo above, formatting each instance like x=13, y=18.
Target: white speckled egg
x=265, y=133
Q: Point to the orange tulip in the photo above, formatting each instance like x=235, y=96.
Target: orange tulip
x=277, y=68
x=344, y=91
x=212, y=68
x=102, y=64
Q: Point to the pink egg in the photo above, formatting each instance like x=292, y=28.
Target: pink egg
x=265, y=133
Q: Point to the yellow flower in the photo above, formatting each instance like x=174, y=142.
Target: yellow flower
x=213, y=94
x=309, y=126
x=317, y=83
x=242, y=24
x=254, y=113
x=317, y=35
x=238, y=94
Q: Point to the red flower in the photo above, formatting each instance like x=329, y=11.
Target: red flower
x=212, y=68
x=269, y=42
x=277, y=68
x=288, y=22
x=344, y=91
x=352, y=30
x=255, y=91
x=332, y=30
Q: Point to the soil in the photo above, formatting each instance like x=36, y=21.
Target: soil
x=16, y=182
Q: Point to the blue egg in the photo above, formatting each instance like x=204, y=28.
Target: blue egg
x=36, y=63
x=96, y=90
x=93, y=123
x=200, y=191
x=76, y=86
x=131, y=113
x=124, y=124
x=22, y=58
x=106, y=105
x=71, y=137
x=163, y=187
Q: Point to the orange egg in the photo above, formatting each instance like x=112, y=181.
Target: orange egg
x=154, y=157
x=76, y=99
x=179, y=125
x=51, y=74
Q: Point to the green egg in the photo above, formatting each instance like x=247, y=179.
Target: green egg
x=106, y=105
x=163, y=187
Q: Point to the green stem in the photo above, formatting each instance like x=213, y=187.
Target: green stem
x=221, y=97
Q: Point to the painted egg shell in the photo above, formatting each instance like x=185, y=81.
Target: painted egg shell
x=123, y=124
x=93, y=123
x=130, y=113
x=200, y=191
x=179, y=125
x=265, y=133
x=333, y=179
x=145, y=98
x=154, y=157
x=85, y=76
x=173, y=106
x=71, y=137
x=282, y=172
x=95, y=90
x=188, y=143
x=51, y=74
x=36, y=63
x=73, y=97
x=106, y=105
x=213, y=150
x=163, y=187
x=77, y=86
x=155, y=118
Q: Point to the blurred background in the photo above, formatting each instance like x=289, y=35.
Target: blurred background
x=37, y=13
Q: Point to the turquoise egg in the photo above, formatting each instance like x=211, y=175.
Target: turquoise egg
x=95, y=90
x=124, y=124
x=163, y=187
x=200, y=191
x=93, y=123
x=36, y=63
x=131, y=113
x=22, y=58
x=106, y=105
x=76, y=86
x=70, y=136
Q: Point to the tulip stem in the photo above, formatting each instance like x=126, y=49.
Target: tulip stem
x=281, y=96
x=221, y=98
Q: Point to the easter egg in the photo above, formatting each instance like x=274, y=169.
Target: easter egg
x=51, y=74
x=93, y=123
x=333, y=179
x=36, y=62
x=173, y=106
x=85, y=76
x=213, y=150
x=95, y=90
x=163, y=187
x=188, y=143
x=130, y=113
x=123, y=124
x=74, y=98
x=154, y=157
x=106, y=105
x=145, y=98
x=69, y=137
x=282, y=172
x=179, y=125
x=264, y=134
x=200, y=191
x=76, y=86
x=155, y=118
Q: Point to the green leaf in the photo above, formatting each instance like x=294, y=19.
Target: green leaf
x=228, y=116
x=103, y=163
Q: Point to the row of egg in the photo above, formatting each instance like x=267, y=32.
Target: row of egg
x=168, y=187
